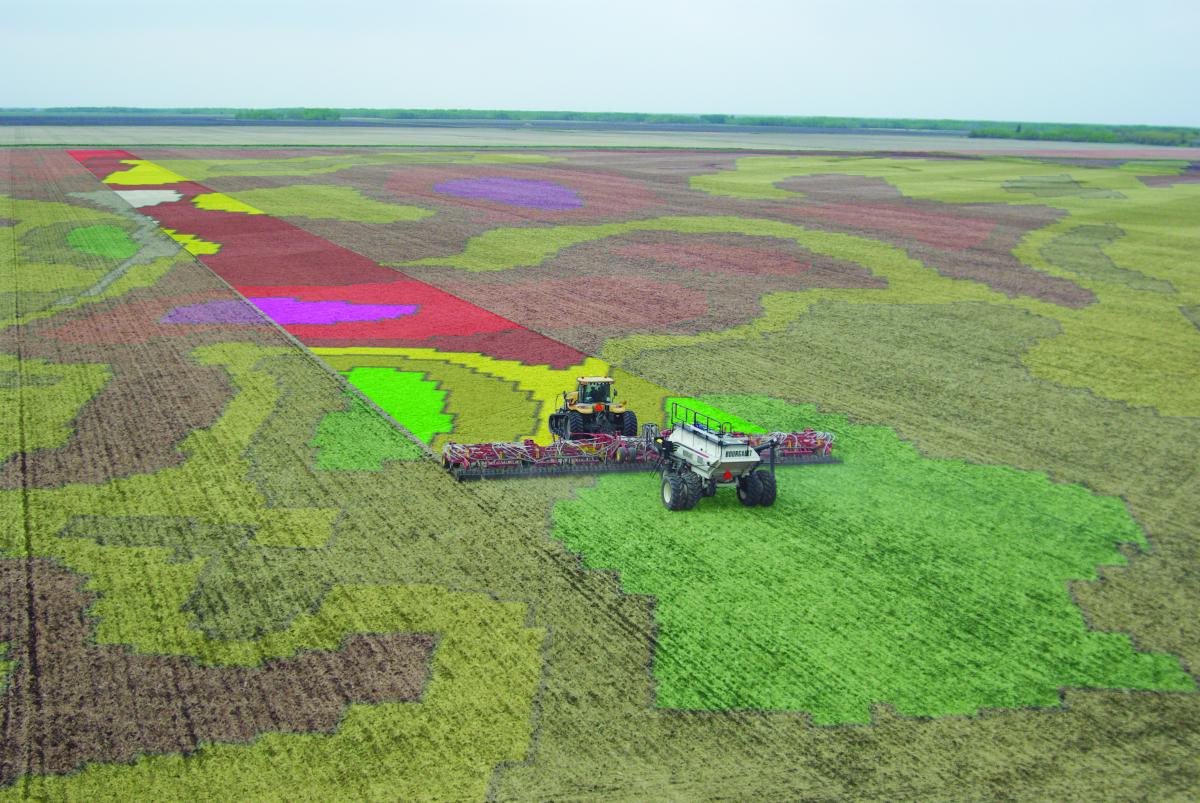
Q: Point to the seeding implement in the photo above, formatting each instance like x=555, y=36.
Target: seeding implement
x=694, y=453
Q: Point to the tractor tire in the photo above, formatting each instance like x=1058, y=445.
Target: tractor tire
x=574, y=424
x=766, y=482
x=749, y=489
x=629, y=424
x=675, y=493
x=695, y=487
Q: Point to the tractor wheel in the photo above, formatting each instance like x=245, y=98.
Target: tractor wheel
x=695, y=487
x=574, y=424
x=766, y=482
x=749, y=489
x=629, y=424
x=675, y=493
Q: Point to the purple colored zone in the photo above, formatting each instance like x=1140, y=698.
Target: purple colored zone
x=514, y=192
x=289, y=310
x=229, y=312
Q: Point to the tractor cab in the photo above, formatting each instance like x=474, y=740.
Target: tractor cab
x=592, y=390
x=591, y=409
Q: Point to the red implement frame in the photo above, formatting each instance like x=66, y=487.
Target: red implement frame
x=598, y=454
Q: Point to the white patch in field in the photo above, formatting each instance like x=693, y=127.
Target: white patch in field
x=140, y=198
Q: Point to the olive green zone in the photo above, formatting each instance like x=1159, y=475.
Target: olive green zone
x=42, y=274
x=40, y=399
x=168, y=566
x=936, y=586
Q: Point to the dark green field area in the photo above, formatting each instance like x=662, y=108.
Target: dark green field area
x=226, y=576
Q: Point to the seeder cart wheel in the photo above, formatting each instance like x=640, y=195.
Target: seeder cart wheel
x=695, y=487
x=749, y=489
x=766, y=483
x=676, y=494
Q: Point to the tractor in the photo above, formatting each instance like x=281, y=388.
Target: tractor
x=590, y=410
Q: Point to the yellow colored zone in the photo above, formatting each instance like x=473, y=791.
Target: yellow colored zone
x=143, y=173
x=193, y=244
x=544, y=384
x=220, y=202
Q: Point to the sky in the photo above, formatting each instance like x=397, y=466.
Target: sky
x=1047, y=61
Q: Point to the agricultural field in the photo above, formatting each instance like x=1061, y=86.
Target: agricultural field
x=233, y=567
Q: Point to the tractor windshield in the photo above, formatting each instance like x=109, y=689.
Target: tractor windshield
x=594, y=392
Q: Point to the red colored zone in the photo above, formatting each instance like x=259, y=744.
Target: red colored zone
x=520, y=344
x=941, y=231
x=714, y=258
x=603, y=194
x=263, y=250
x=102, y=163
x=440, y=313
x=265, y=256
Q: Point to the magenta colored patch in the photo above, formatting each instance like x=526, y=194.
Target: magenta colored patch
x=513, y=192
x=290, y=311
x=214, y=312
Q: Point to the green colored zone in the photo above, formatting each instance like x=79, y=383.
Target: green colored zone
x=359, y=439
x=407, y=396
x=937, y=586
x=102, y=241
x=480, y=408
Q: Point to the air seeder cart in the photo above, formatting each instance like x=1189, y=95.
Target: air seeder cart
x=699, y=453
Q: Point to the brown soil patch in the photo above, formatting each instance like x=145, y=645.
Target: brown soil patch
x=624, y=301
x=1189, y=175
x=158, y=393
x=649, y=282
x=137, y=322
x=43, y=174
x=602, y=194
x=710, y=257
x=71, y=702
x=960, y=241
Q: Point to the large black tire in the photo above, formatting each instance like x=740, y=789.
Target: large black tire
x=574, y=424
x=766, y=482
x=675, y=493
x=749, y=489
x=695, y=487
x=629, y=424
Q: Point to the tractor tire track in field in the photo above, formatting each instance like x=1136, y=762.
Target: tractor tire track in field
x=77, y=702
